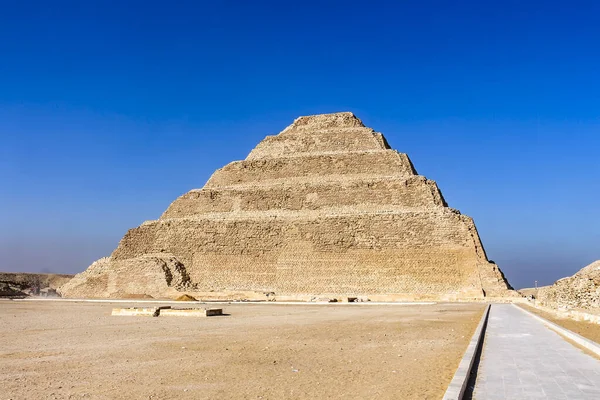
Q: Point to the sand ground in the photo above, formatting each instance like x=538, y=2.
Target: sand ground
x=586, y=329
x=56, y=350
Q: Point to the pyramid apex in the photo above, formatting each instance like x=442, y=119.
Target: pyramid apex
x=327, y=121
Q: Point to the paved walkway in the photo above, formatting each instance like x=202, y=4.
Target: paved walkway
x=523, y=359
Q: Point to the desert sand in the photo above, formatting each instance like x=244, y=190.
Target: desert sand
x=62, y=350
x=586, y=329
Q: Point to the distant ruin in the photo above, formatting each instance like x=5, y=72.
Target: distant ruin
x=21, y=284
x=325, y=208
x=580, y=291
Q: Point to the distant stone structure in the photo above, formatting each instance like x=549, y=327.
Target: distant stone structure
x=21, y=284
x=580, y=291
x=325, y=208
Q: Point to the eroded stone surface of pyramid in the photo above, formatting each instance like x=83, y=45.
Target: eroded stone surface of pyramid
x=325, y=207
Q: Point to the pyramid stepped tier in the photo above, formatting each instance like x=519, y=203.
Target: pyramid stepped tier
x=319, y=252
x=296, y=143
x=378, y=193
x=313, y=167
x=323, y=208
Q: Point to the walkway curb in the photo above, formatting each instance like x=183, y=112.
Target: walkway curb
x=580, y=340
x=458, y=385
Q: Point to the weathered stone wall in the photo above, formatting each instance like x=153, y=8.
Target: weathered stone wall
x=322, y=208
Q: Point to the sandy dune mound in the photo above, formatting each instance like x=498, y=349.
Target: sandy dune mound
x=186, y=297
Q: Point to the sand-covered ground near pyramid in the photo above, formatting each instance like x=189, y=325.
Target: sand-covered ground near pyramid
x=586, y=329
x=59, y=350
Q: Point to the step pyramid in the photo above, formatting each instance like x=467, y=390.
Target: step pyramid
x=325, y=207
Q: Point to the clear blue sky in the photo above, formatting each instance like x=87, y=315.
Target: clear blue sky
x=110, y=110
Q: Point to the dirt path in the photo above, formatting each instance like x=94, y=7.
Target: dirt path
x=77, y=350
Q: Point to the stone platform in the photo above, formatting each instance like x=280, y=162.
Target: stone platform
x=167, y=311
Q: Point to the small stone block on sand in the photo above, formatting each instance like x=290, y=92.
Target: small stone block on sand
x=139, y=311
x=192, y=312
x=143, y=312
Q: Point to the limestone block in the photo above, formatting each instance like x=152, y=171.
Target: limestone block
x=136, y=312
x=192, y=312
